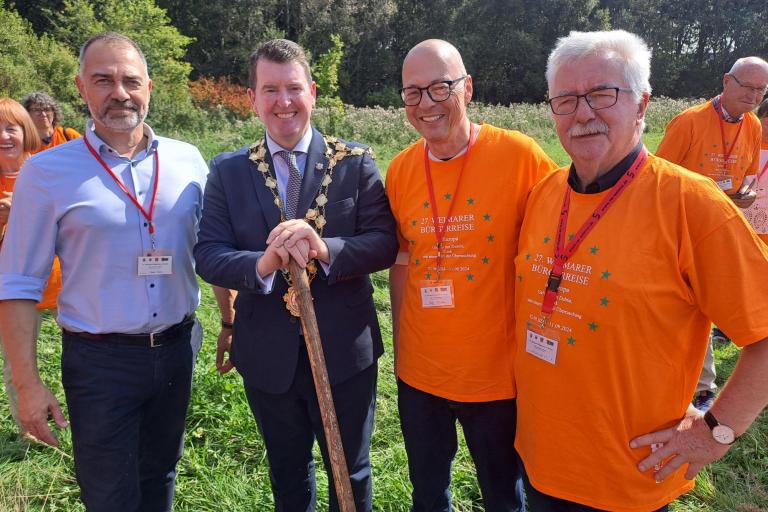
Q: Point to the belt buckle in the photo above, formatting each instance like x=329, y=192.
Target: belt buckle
x=152, y=342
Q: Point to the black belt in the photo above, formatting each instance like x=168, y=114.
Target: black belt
x=153, y=339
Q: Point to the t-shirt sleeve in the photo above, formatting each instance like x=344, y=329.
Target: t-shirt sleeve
x=676, y=142
x=72, y=133
x=725, y=265
x=390, y=185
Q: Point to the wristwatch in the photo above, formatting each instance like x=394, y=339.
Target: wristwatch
x=723, y=434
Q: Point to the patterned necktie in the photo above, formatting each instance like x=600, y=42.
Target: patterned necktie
x=294, y=184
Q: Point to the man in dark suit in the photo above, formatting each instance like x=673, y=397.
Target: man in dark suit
x=321, y=201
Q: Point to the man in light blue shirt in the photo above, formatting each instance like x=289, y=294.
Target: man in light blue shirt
x=120, y=208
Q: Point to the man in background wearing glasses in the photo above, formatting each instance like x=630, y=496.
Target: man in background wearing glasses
x=624, y=258
x=721, y=139
x=458, y=195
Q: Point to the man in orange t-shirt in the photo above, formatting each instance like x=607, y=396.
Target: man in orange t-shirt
x=46, y=114
x=623, y=259
x=721, y=139
x=458, y=196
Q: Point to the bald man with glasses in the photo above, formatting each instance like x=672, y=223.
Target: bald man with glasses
x=458, y=195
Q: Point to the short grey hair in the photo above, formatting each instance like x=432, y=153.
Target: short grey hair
x=112, y=39
x=627, y=48
x=42, y=100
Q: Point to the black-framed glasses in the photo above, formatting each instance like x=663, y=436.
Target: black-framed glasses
x=597, y=99
x=40, y=111
x=437, y=92
x=757, y=90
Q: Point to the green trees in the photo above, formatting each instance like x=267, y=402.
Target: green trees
x=147, y=24
x=29, y=63
x=504, y=42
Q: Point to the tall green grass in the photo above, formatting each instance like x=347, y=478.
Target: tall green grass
x=224, y=465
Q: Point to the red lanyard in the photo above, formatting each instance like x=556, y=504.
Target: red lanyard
x=440, y=229
x=719, y=109
x=147, y=215
x=563, y=253
x=765, y=168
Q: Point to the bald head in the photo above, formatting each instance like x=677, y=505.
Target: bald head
x=748, y=64
x=437, y=90
x=745, y=85
x=436, y=49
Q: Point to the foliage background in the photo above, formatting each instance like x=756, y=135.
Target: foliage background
x=504, y=42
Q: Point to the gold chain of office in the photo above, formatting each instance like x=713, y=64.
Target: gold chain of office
x=335, y=151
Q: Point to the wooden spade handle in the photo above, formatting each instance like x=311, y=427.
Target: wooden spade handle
x=322, y=388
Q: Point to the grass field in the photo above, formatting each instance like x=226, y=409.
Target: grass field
x=224, y=466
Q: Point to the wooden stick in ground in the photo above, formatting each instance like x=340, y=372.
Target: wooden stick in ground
x=322, y=388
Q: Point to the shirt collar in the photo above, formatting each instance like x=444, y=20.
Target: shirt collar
x=608, y=179
x=728, y=118
x=301, y=147
x=104, y=148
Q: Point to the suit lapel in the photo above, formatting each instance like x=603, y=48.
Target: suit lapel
x=267, y=201
x=314, y=171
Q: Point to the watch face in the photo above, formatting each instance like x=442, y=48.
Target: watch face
x=723, y=434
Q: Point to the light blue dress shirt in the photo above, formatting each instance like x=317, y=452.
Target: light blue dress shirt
x=65, y=203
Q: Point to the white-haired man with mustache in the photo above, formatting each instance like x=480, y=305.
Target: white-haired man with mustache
x=624, y=258
x=120, y=207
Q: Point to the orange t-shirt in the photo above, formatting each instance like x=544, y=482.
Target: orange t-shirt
x=633, y=318
x=463, y=353
x=757, y=213
x=59, y=137
x=693, y=140
x=52, y=288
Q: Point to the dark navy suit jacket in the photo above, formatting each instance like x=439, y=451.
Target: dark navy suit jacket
x=238, y=214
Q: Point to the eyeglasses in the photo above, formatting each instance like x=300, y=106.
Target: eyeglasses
x=597, y=99
x=41, y=111
x=437, y=92
x=757, y=90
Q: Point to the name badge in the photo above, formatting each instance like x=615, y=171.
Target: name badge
x=437, y=294
x=542, y=345
x=156, y=263
x=726, y=184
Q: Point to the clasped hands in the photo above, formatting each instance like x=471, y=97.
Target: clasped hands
x=292, y=238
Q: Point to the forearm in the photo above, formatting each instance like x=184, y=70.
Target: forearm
x=18, y=319
x=397, y=277
x=225, y=299
x=746, y=393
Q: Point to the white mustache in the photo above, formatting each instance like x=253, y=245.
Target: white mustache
x=593, y=127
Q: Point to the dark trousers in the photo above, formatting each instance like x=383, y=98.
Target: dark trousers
x=127, y=407
x=540, y=502
x=429, y=429
x=290, y=422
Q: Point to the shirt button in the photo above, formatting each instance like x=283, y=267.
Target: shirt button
x=154, y=314
x=152, y=285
